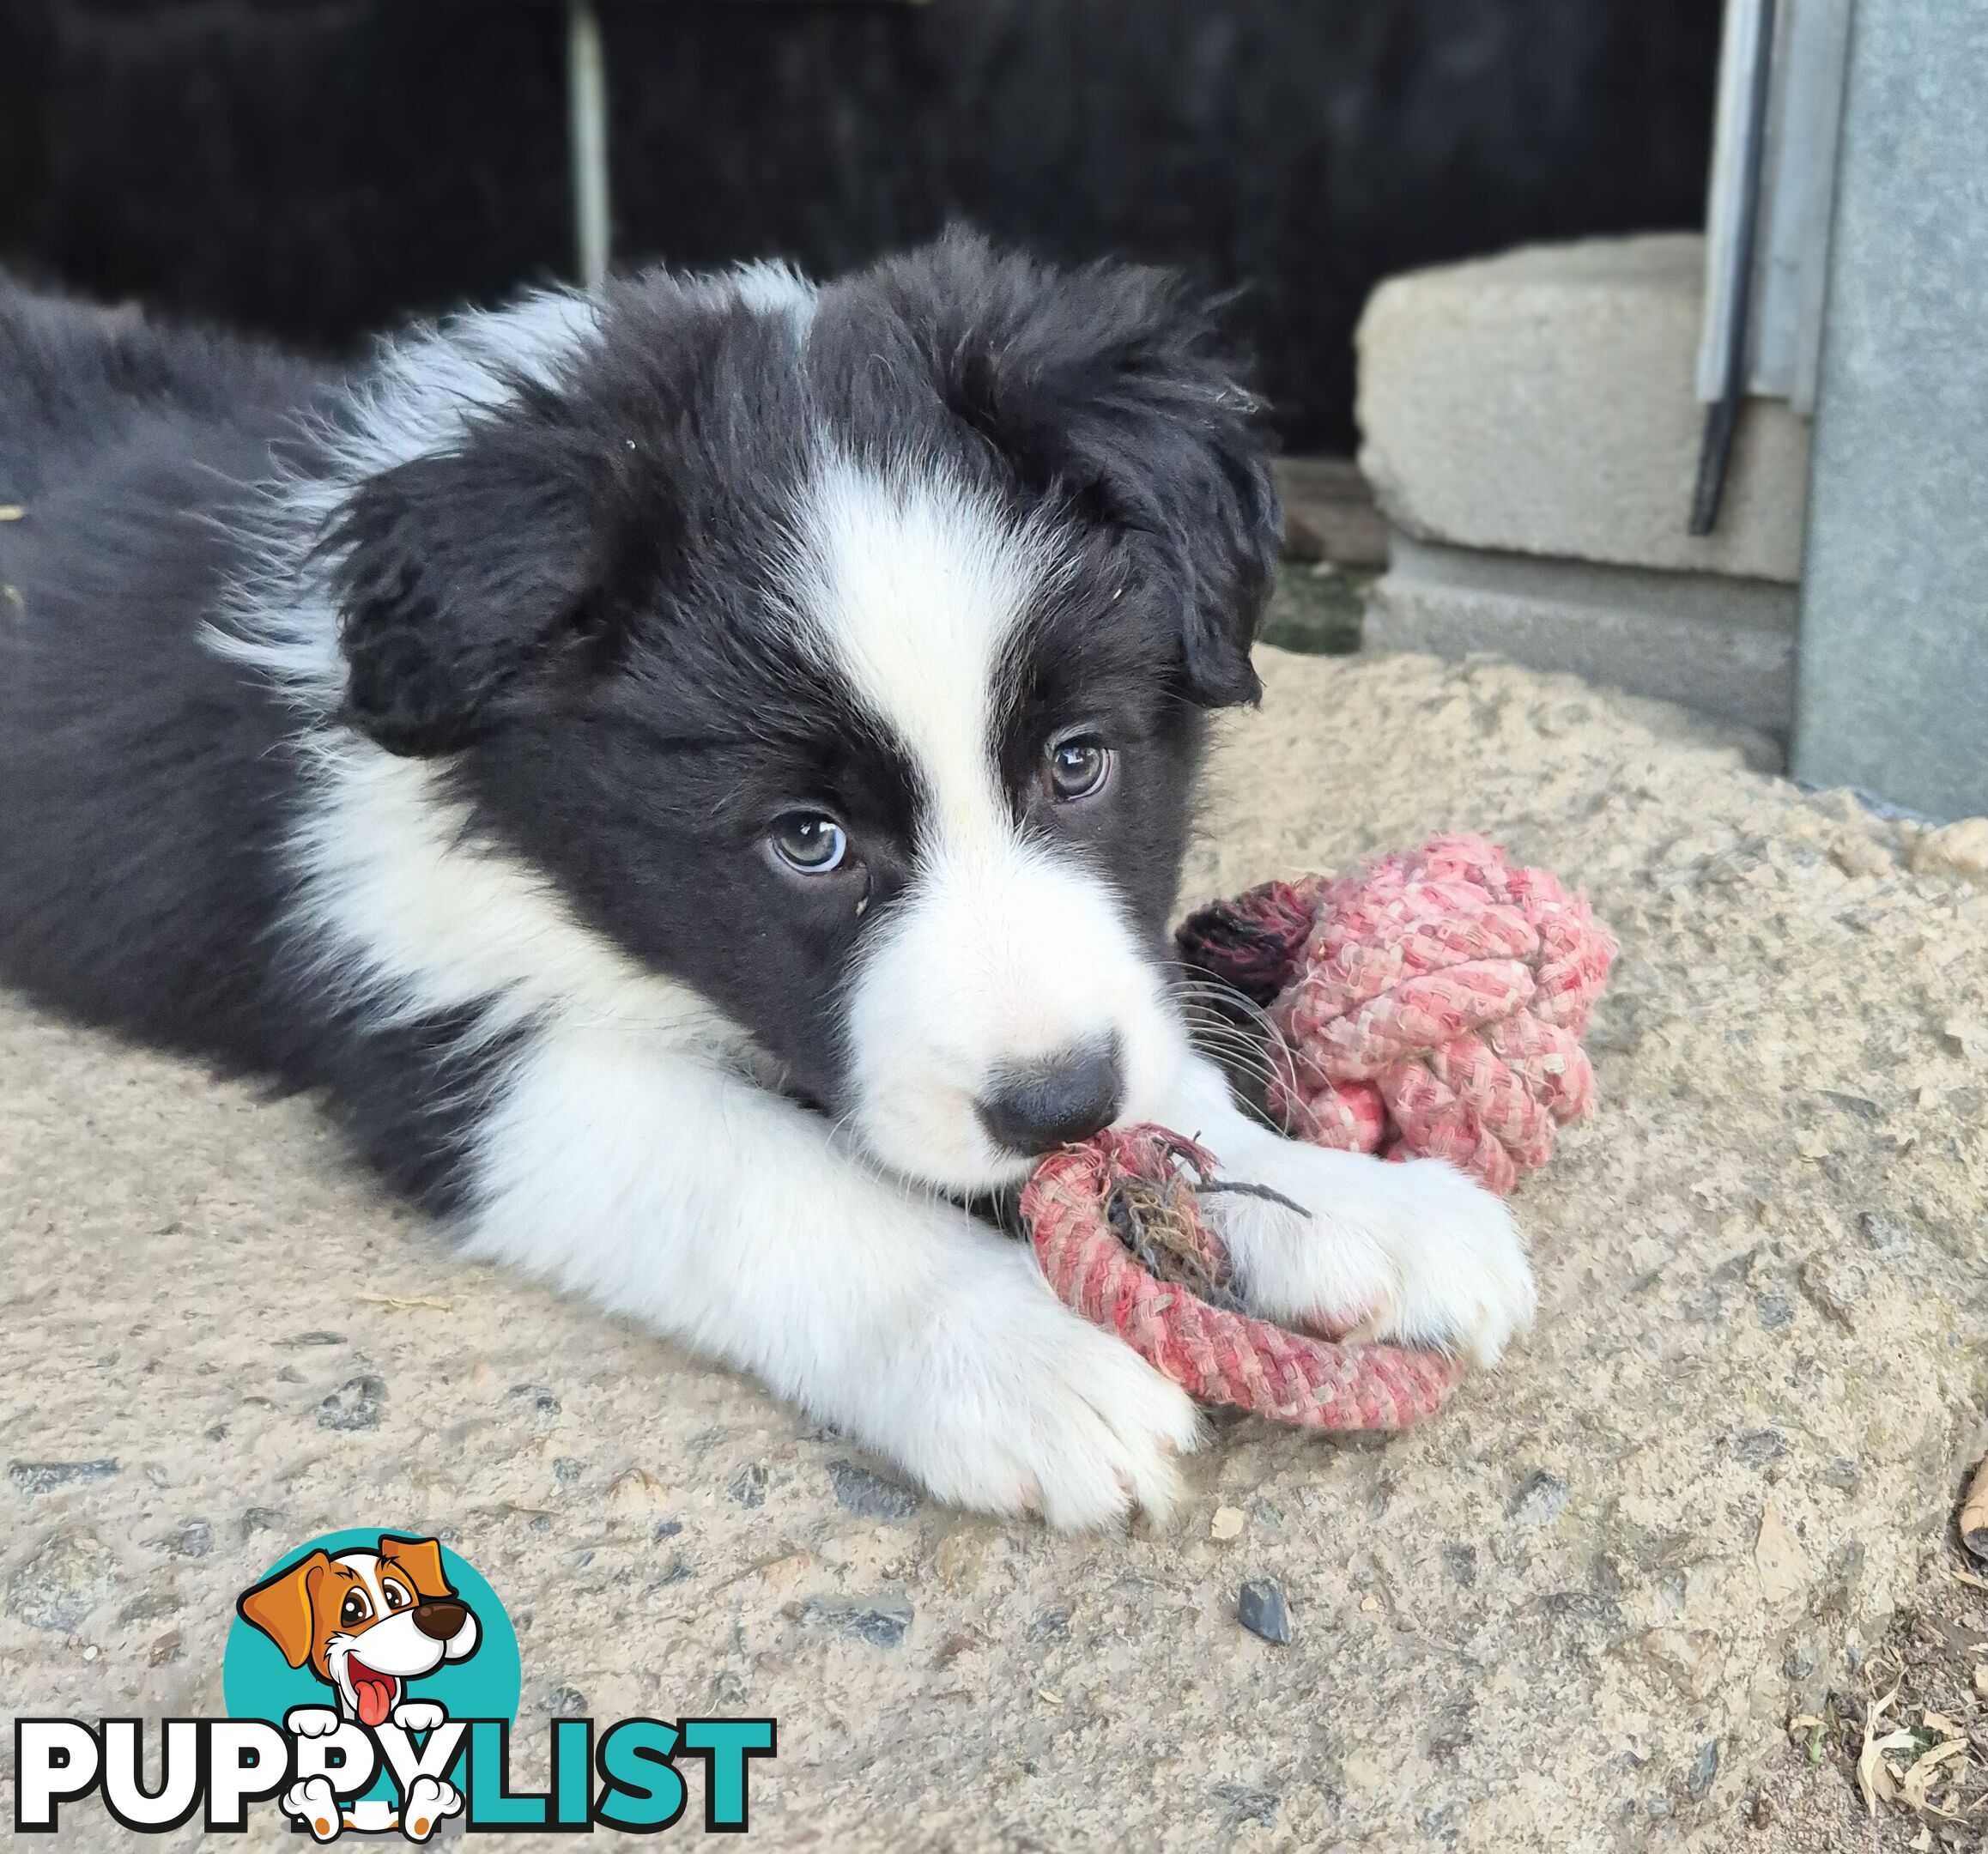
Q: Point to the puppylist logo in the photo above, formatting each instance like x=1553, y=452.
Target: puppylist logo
x=371, y=1681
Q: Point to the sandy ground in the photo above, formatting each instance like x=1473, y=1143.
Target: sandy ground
x=1575, y=1612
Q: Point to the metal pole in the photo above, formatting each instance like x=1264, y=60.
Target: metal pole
x=586, y=76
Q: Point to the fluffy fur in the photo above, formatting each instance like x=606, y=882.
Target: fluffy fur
x=428, y=736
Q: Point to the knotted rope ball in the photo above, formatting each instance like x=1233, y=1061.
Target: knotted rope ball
x=1430, y=1006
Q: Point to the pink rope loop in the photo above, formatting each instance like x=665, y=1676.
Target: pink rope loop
x=1430, y=1007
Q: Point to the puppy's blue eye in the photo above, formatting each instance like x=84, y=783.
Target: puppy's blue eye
x=1078, y=766
x=811, y=843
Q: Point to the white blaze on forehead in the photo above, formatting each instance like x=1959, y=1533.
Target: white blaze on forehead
x=367, y=1567
x=910, y=587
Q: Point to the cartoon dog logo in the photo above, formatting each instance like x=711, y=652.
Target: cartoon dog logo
x=366, y=1623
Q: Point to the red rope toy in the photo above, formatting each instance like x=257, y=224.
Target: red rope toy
x=1431, y=1006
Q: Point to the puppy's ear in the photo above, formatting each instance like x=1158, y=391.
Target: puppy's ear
x=421, y=1559
x=461, y=573
x=1112, y=386
x=281, y=1608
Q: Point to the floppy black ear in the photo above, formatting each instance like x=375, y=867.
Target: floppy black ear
x=458, y=573
x=1112, y=386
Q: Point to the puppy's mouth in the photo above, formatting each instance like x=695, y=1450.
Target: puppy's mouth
x=373, y=1694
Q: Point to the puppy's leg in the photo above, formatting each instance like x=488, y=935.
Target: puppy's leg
x=1416, y=1252
x=719, y=1213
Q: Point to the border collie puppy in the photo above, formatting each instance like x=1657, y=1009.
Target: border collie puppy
x=696, y=775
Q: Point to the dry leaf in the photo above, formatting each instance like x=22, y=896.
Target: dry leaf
x=1981, y=1679
x=1969, y=1578
x=1974, y=1512
x=1919, y=1779
x=1874, y=1775
x=1945, y=1727
x=1778, y=1558
x=400, y=1304
x=1922, y=1842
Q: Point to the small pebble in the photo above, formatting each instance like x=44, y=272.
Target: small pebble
x=880, y=1621
x=59, y=1586
x=1539, y=1500
x=1260, y=1609
x=749, y=1484
x=31, y=1478
x=1704, y=1769
x=564, y=1702
x=353, y=1405
x=1049, y=1624
x=1227, y=1522
x=871, y=1495
x=1241, y=1803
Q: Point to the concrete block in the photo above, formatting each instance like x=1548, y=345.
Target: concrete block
x=1725, y=647
x=1542, y=403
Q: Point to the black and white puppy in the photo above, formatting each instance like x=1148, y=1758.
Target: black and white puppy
x=696, y=775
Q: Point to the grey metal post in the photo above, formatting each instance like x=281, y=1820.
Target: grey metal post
x=586, y=78
x=1892, y=681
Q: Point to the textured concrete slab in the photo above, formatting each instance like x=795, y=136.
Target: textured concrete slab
x=1543, y=401
x=1574, y=1613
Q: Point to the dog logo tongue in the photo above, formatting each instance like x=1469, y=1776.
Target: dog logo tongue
x=374, y=1692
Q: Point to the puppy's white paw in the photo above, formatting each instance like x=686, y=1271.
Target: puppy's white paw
x=1416, y=1253
x=428, y=1800
x=311, y=1721
x=418, y=1715
x=312, y=1804
x=1020, y=1405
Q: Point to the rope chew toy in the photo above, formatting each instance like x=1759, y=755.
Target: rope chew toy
x=1430, y=1006
x=1099, y=1213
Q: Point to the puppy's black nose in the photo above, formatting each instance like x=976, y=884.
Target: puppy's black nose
x=440, y=1622
x=1051, y=1103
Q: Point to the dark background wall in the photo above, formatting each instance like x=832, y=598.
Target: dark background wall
x=316, y=168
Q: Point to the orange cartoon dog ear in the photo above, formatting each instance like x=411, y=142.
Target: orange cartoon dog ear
x=281, y=1608
x=422, y=1559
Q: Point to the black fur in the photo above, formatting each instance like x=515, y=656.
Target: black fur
x=574, y=613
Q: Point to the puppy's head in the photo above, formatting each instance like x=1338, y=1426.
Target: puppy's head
x=366, y=1622
x=844, y=654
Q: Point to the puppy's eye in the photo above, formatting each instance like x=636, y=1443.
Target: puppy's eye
x=811, y=843
x=397, y=1598
x=1078, y=766
x=355, y=1609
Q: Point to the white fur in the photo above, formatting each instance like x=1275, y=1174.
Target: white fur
x=627, y=1153
x=998, y=955
x=711, y=1209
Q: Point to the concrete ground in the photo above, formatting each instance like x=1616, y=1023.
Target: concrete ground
x=1577, y=1611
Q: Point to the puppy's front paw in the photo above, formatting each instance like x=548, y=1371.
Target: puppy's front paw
x=311, y=1721
x=1416, y=1253
x=312, y=1804
x=428, y=1800
x=1026, y=1406
x=418, y=1715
